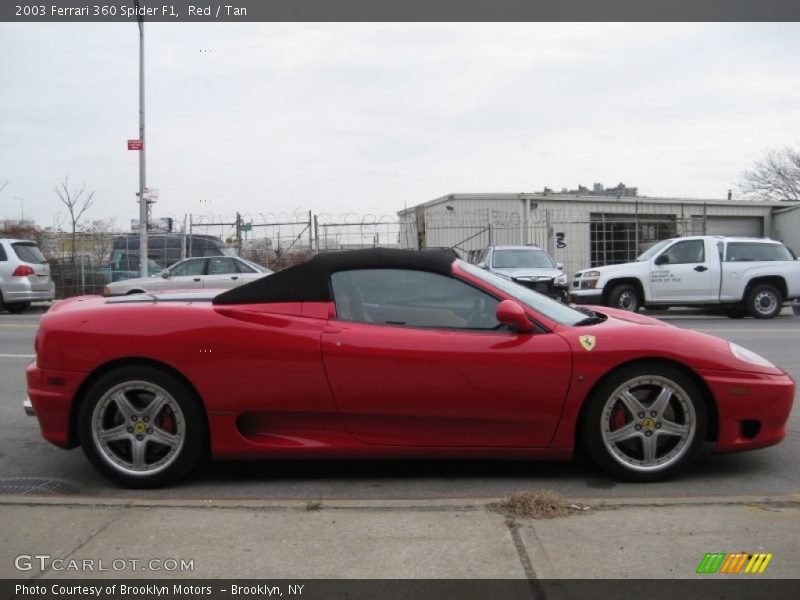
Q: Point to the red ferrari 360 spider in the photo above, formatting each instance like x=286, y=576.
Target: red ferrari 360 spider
x=389, y=353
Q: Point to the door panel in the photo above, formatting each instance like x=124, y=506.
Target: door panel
x=687, y=276
x=417, y=387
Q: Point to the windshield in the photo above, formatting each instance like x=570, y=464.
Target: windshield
x=522, y=258
x=551, y=309
x=652, y=251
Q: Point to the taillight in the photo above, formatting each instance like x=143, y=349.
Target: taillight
x=22, y=271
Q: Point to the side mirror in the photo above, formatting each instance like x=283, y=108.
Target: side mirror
x=482, y=265
x=512, y=314
x=661, y=259
x=164, y=274
x=560, y=266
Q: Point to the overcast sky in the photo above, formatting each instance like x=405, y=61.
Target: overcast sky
x=273, y=118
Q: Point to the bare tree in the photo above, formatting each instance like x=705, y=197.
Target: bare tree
x=77, y=201
x=101, y=233
x=776, y=176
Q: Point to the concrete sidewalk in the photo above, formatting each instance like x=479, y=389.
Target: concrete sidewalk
x=392, y=539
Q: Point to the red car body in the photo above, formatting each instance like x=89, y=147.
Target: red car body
x=290, y=380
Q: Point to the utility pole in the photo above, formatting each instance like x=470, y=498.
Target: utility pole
x=143, y=264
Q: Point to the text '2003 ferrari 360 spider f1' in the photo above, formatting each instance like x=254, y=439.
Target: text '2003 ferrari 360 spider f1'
x=389, y=353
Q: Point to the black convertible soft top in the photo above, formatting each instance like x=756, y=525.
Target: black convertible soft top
x=310, y=281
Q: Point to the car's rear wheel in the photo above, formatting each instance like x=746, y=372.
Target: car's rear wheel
x=141, y=427
x=764, y=301
x=646, y=422
x=625, y=297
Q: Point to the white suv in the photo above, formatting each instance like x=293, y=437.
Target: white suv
x=24, y=275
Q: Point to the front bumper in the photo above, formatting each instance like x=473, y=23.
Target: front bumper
x=753, y=408
x=586, y=297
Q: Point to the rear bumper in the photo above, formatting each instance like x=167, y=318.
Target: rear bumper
x=753, y=408
x=51, y=394
x=13, y=296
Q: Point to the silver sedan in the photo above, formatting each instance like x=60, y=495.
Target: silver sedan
x=210, y=272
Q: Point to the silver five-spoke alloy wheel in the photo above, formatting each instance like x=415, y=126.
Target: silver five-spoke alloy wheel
x=138, y=428
x=142, y=426
x=648, y=423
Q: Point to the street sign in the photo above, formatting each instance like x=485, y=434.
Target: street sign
x=135, y=144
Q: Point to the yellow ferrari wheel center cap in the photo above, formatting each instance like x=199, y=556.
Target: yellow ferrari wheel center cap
x=139, y=427
x=649, y=424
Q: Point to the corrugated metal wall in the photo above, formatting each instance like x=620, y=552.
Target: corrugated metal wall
x=470, y=222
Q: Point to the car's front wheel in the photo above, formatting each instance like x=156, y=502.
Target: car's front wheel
x=141, y=427
x=646, y=422
x=625, y=297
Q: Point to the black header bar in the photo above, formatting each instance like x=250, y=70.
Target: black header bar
x=241, y=11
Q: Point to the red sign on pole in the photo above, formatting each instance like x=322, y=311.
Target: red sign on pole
x=135, y=144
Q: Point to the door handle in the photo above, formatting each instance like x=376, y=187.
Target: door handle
x=700, y=268
x=234, y=277
x=197, y=279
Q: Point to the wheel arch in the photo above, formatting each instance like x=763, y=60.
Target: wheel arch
x=119, y=363
x=708, y=396
x=634, y=281
x=774, y=280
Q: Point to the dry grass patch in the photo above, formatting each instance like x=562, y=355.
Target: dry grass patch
x=536, y=505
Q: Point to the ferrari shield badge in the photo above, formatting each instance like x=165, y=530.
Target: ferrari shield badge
x=588, y=342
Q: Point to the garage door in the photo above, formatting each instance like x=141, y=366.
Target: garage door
x=741, y=226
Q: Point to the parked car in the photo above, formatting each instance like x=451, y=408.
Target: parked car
x=389, y=353
x=741, y=275
x=165, y=248
x=530, y=266
x=24, y=275
x=125, y=265
x=217, y=272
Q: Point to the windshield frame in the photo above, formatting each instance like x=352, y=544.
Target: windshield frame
x=539, y=303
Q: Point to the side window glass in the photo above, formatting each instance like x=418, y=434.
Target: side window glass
x=244, y=267
x=3, y=256
x=688, y=252
x=188, y=268
x=221, y=266
x=412, y=299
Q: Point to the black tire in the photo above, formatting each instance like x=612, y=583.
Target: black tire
x=99, y=413
x=734, y=312
x=625, y=297
x=17, y=307
x=627, y=459
x=764, y=301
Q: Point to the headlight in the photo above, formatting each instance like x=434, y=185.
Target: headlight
x=591, y=274
x=503, y=276
x=561, y=280
x=106, y=291
x=749, y=356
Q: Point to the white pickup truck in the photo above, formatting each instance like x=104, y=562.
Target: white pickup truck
x=743, y=275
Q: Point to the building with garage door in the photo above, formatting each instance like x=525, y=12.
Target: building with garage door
x=580, y=230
